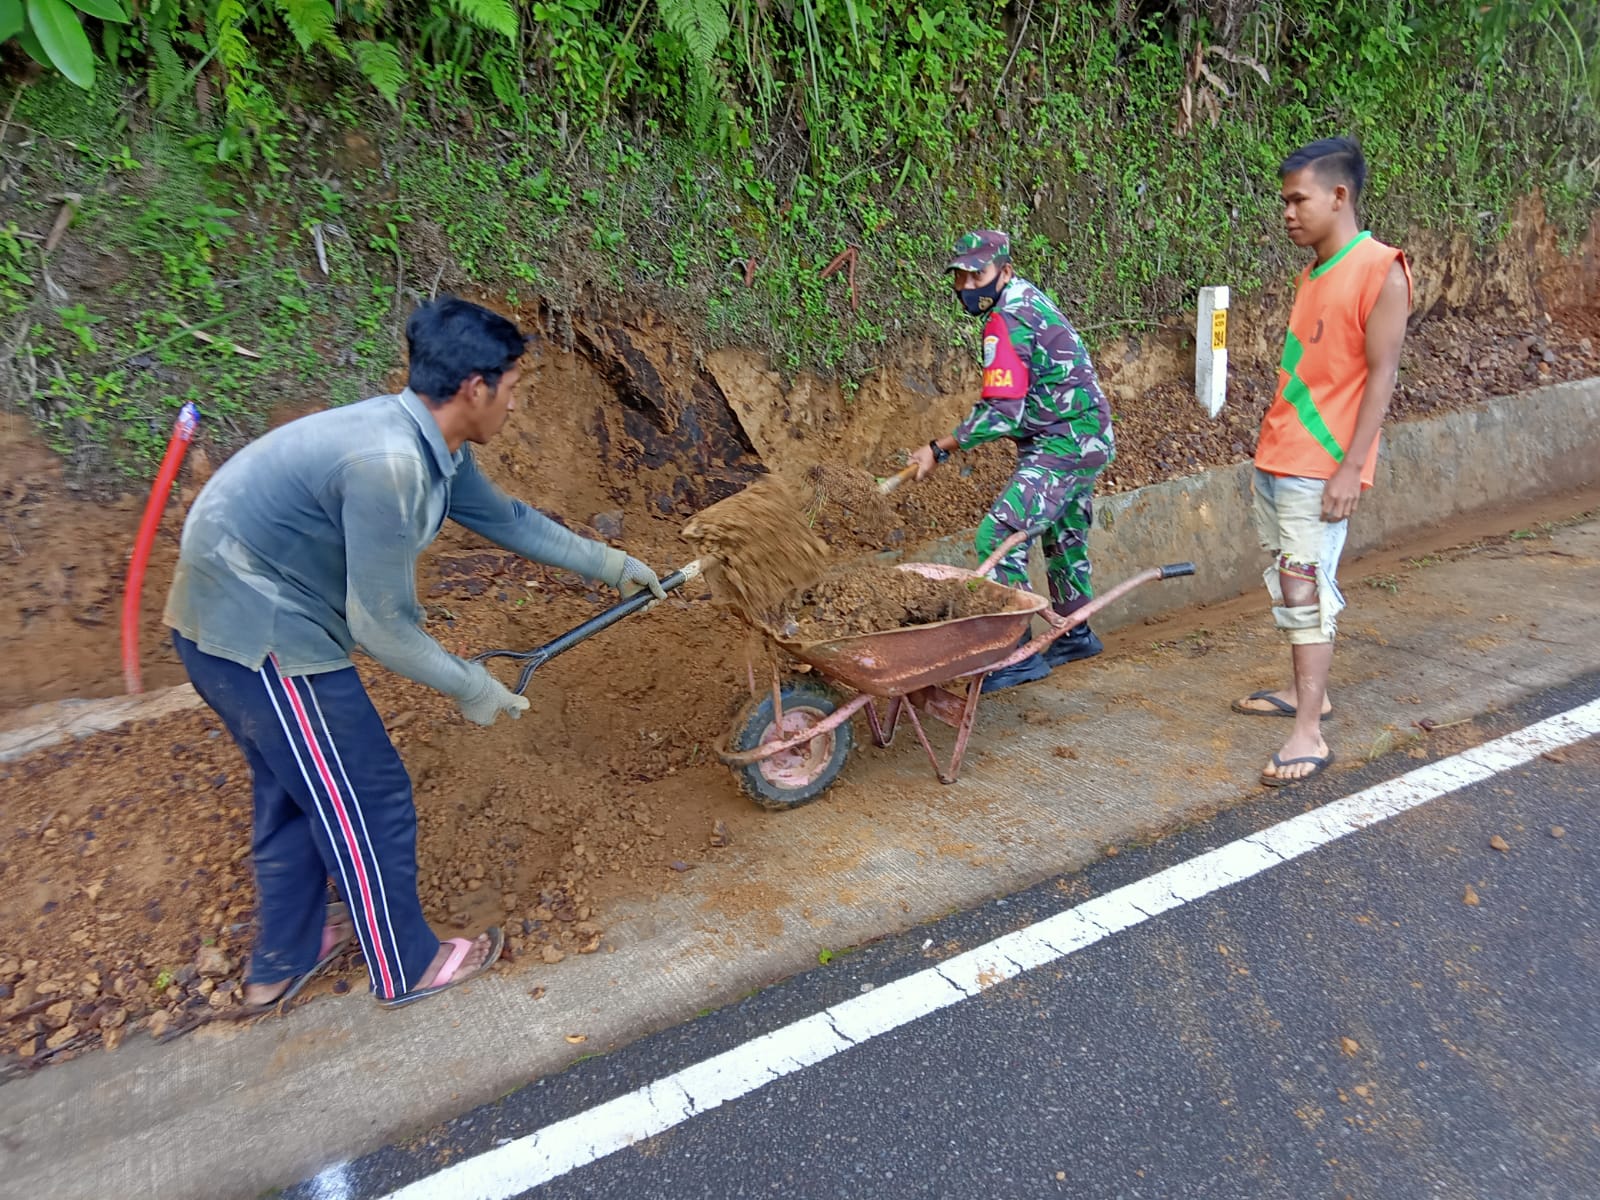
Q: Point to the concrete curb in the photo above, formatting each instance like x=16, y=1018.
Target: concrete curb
x=1544, y=442
x=45, y=725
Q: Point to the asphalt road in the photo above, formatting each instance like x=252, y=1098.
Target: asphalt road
x=1351, y=1023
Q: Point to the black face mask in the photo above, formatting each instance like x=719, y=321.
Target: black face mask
x=979, y=300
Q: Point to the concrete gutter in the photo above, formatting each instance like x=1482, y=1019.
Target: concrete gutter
x=45, y=725
x=1488, y=456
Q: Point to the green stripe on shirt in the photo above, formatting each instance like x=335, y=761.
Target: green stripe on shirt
x=1299, y=396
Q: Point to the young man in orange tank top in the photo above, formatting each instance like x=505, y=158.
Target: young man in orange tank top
x=1319, y=440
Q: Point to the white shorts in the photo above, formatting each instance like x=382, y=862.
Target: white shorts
x=1289, y=522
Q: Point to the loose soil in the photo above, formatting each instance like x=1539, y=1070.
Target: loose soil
x=124, y=855
x=759, y=545
x=1447, y=363
x=874, y=597
x=850, y=510
x=764, y=547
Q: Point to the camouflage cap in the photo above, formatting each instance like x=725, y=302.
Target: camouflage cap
x=976, y=250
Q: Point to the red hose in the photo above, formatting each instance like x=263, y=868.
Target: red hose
x=183, y=431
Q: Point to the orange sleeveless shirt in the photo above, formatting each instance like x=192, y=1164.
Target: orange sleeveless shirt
x=1323, y=372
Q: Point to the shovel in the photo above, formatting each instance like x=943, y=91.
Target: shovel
x=533, y=659
x=846, y=484
x=885, y=486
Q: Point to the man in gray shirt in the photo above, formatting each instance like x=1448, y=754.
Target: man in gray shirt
x=301, y=548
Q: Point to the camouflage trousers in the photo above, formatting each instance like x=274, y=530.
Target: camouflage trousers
x=1061, y=500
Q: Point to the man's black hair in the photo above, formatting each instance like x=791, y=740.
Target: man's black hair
x=450, y=340
x=1336, y=160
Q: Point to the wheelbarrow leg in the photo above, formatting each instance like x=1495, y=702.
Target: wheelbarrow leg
x=875, y=723
x=883, y=728
x=916, y=723
x=941, y=705
x=969, y=718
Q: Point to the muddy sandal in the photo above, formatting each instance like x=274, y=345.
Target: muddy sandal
x=1277, y=781
x=337, y=932
x=447, y=977
x=1280, y=708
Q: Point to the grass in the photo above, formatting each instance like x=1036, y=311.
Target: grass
x=1385, y=582
x=103, y=330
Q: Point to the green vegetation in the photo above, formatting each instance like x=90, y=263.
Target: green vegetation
x=289, y=178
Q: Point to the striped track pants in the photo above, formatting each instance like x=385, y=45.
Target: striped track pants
x=332, y=800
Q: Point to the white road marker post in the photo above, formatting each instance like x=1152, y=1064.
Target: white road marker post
x=1211, y=350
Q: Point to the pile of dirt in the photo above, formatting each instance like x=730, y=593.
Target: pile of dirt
x=760, y=545
x=777, y=536
x=854, y=518
x=851, y=509
x=1452, y=361
x=872, y=597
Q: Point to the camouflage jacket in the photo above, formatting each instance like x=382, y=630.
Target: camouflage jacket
x=1039, y=387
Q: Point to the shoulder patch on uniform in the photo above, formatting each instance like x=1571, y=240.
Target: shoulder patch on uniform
x=991, y=345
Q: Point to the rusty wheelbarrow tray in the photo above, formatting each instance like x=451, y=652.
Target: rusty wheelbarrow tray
x=789, y=744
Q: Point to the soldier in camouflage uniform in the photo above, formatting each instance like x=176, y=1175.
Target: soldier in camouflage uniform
x=1040, y=390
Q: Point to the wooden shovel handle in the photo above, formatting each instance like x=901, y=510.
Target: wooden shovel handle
x=885, y=486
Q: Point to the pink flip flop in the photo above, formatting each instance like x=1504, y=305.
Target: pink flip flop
x=332, y=939
x=447, y=977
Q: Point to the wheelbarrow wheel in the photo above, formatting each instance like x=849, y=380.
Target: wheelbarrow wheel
x=800, y=775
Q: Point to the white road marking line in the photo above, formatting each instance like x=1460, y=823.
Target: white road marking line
x=332, y=1184
x=548, y=1153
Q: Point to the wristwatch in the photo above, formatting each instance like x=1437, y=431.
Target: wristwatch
x=940, y=454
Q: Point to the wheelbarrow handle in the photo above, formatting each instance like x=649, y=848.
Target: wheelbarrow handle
x=1170, y=571
x=533, y=659
x=1010, y=544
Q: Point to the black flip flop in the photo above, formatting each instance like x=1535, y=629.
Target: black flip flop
x=1275, y=781
x=338, y=914
x=1280, y=708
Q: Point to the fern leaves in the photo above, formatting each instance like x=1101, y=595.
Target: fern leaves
x=232, y=47
x=496, y=16
x=167, y=73
x=315, y=23
x=380, y=63
x=702, y=24
x=312, y=23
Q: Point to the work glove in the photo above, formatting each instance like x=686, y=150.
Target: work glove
x=488, y=698
x=630, y=576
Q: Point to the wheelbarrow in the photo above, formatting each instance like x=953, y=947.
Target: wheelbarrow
x=789, y=743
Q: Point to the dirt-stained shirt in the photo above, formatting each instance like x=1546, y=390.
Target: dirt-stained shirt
x=1039, y=387
x=304, y=544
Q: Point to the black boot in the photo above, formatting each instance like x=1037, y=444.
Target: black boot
x=1029, y=669
x=1080, y=643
